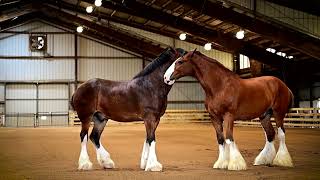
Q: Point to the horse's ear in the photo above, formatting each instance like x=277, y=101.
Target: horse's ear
x=193, y=52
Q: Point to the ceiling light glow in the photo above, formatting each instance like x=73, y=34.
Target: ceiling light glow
x=240, y=34
x=98, y=3
x=183, y=36
x=207, y=46
x=89, y=9
x=79, y=29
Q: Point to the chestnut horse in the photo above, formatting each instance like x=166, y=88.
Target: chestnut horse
x=229, y=98
x=144, y=98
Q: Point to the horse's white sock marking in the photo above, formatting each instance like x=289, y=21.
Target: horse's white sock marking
x=169, y=72
x=144, y=155
x=267, y=154
x=236, y=161
x=103, y=158
x=152, y=162
x=223, y=160
x=283, y=157
x=84, y=161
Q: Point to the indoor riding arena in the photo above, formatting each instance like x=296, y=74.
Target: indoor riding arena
x=159, y=89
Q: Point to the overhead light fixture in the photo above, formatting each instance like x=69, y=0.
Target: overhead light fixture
x=271, y=50
x=14, y=18
x=279, y=53
x=183, y=36
x=89, y=9
x=290, y=57
x=79, y=29
x=240, y=34
x=98, y=3
x=207, y=46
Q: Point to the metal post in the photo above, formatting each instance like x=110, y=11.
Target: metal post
x=75, y=61
x=310, y=96
x=69, y=100
x=37, y=104
x=17, y=119
x=50, y=118
x=5, y=104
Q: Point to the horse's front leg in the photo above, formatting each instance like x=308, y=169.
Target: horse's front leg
x=223, y=159
x=149, y=161
x=236, y=161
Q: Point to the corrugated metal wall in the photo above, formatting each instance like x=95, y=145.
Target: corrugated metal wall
x=53, y=98
x=117, y=65
x=35, y=69
x=20, y=100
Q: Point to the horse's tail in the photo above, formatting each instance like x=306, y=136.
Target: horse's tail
x=291, y=104
x=71, y=102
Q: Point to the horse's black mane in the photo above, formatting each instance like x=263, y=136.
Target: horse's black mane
x=164, y=57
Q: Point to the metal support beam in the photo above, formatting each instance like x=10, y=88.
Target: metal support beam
x=294, y=39
x=111, y=35
x=229, y=42
x=75, y=61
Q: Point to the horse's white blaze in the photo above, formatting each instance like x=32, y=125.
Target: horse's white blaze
x=169, y=72
x=283, y=157
x=103, y=158
x=152, y=162
x=84, y=161
x=223, y=160
x=144, y=155
x=236, y=161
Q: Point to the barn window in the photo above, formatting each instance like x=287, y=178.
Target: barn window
x=244, y=61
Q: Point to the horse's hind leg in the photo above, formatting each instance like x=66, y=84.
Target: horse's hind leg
x=268, y=153
x=283, y=157
x=103, y=156
x=84, y=161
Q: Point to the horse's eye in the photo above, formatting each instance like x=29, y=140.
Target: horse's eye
x=180, y=62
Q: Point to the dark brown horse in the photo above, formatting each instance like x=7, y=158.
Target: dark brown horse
x=144, y=98
x=229, y=98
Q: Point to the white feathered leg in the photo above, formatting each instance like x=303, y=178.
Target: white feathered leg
x=104, y=158
x=84, y=161
x=152, y=162
x=236, y=161
x=283, y=157
x=223, y=160
x=144, y=155
x=267, y=154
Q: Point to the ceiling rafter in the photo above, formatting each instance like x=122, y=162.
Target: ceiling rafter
x=296, y=40
x=113, y=36
x=161, y=31
x=227, y=41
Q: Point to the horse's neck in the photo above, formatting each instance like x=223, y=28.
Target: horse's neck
x=210, y=75
x=156, y=81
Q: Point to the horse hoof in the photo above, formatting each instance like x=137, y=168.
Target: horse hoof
x=221, y=164
x=237, y=164
x=283, y=158
x=284, y=161
x=85, y=166
x=143, y=164
x=156, y=166
x=107, y=163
